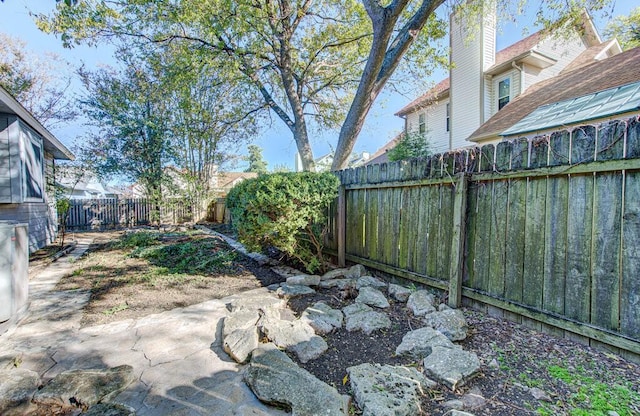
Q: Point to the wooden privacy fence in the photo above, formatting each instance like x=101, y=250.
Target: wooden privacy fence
x=546, y=230
x=113, y=212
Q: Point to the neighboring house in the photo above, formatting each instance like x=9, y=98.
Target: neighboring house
x=593, y=93
x=76, y=184
x=224, y=181
x=27, y=154
x=483, y=83
x=381, y=155
x=323, y=163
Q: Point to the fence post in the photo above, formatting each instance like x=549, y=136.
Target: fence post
x=341, y=225
x=457, y=241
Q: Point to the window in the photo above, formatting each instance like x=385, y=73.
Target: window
x=422, y=124
x=448, y=117
x=33, y=167
x=504, y=92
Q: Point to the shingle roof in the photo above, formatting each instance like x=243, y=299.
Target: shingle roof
x=442, y=88
x=612, y=72
x=380, y=156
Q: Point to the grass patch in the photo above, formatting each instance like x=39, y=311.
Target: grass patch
x=203, y=256
x=593, y=397
x=138, y=240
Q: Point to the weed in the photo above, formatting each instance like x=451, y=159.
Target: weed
x=204, y=256
x=594, y=397
x=116, y=309
x=138, y=239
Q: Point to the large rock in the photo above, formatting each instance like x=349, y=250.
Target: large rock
x=277, y=380
x=365, y=281
x=304, y=279
x=355, y=272
x=421, y=302
x=451, y=366
x=291, y=291
x=240, y=334
x=450, y=322
x=84, y=388
x=359, y=316
x=334, y=274
x=17, y=387
x=322, y=318
x=420, y=343
x=341, y=284
x=255, y=300
x=372, y=297
x=294, y=335
x=382, y=390
x=399, y=293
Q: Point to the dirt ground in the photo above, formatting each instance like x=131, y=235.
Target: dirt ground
x=123, y=286
x=524, y=372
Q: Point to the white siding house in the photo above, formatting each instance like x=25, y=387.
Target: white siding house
x=482, y=81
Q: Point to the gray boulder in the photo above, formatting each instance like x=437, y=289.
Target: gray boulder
x=421, y=303
x=322, y=318
x=399, y=293
x=420, y=343
x=355, y=272
x=277, y=380
x=341, y=284
x=382, y=390
x=365, y=281
x=334, y=274
x=16, y=390
x=84, y=388
x=294, y=335
x=359, y=316
x=291, y=291
x=372, y=297
x=451, y=322
x=240, y=334
x=304, y=279
x=451, y=366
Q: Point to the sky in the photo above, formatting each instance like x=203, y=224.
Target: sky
x=276, y=141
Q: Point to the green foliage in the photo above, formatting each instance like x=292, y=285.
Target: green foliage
x=138, y=240
x=626, y=29
x=205, y=256
x=256, y=163
x=286, y=211
x=410, y=145
x=38, y=82
x=593, y=397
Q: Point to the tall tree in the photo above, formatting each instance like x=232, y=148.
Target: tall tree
x=309, y=59
x=39, y=83
x=204, y=132
x=303, y=57
x=129, y=113
x=256, y=163
x=626, y=29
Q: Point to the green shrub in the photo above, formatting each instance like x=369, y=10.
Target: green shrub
x=286, y=211
x=138, y=239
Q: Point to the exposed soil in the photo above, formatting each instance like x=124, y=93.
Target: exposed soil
x=124, y=287
x=514, y=360
x=576, y=378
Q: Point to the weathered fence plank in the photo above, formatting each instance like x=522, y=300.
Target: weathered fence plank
x=579, y=232
x=630, y=289
x=605, y=261
x=548, y=230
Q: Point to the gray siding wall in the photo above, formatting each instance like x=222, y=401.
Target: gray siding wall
x=40, y=215
x=42, y=227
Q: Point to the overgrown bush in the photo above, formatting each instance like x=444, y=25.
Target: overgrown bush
x=286, y=211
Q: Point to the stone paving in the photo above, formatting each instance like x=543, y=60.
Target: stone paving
x=201, y=360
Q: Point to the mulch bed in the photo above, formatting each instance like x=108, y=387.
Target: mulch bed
x=514, y=359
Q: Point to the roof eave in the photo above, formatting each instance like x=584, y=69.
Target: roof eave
x=531, y=57
x=51, y=143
